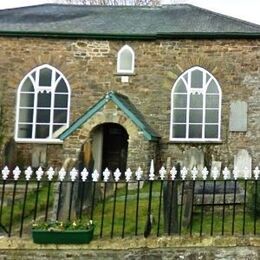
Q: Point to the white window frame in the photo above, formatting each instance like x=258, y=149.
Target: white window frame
x=119, y=57
x=191, y=91
x=52, y=89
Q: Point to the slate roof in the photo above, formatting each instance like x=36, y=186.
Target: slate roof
x=182, y=20
x=127, y=108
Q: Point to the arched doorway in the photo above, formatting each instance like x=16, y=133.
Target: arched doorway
x=110, y=146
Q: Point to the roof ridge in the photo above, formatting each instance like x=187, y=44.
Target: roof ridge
x=22, y=7
x=80, y=5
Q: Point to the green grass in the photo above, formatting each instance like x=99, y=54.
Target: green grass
x=218, y=220
x=130, y=223
x=7, y=217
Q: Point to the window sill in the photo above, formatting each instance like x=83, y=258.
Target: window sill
x=124, y=74
x=195, y=141
x=38, y=141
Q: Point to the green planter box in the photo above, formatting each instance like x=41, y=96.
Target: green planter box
x=62, y=237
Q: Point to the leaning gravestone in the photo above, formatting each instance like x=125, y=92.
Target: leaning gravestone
x=10, y=154
x=170, y=203
x=243, y=162
x=62, y=210
x=192, y=158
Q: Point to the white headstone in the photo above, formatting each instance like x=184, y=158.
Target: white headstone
x=215, y=165
x=193, y=157
x=39, y=155
x=243, y=162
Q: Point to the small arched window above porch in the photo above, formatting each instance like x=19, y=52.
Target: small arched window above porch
x=43, y=102
x=196, y=107
x=125, y=60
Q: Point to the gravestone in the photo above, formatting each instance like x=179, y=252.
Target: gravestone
x=10, y=154
x=217, y=165
x=238, y=116
x=170, y=203
x=85, y=189
x=242, y=161
x=39, y=152
x=192, y=158
x=62, y=209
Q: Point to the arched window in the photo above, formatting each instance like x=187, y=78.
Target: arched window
x=43, y=101
x=195, y=107
x=126, y=60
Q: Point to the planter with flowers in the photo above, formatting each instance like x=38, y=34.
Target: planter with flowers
x=58, y=232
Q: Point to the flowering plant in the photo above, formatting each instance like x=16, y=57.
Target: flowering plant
x=63, y=226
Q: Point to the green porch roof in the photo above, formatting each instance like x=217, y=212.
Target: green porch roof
x=125, y=105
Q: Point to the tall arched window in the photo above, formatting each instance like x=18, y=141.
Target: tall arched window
x=43, y=101
x=126, y=60
x=195, y=107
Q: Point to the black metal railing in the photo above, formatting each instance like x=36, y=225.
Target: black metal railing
x=157, y=207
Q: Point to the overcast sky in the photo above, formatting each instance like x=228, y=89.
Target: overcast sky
x=244, y=9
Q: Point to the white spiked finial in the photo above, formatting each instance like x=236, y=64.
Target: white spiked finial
x=184, y=173
x=50, y=173
x=139, y=174
x=215, y=173
x=95, y=176
x=28, y=173
x=128, y=175
x=194, y=173
x=256, y=172
x=205, y=173
x=117, y=175
x=84, y=174
x=162, y=173
x=16, y=173
x=226, y=173
x=151, y=172
x=106, y=174
x=173, y=173
x=73, y=174
x=62, y=174
x=39, y=174
x=5, y=173
x=247, y=173
x=235, y=173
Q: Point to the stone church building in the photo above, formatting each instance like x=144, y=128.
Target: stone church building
x=118, y=86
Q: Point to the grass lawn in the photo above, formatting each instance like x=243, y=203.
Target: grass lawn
x=242, y=223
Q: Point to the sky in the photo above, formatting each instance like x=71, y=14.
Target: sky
x=244, y=9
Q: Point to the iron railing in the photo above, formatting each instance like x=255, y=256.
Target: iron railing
x=170, y=203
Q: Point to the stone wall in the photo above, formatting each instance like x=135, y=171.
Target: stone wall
x=137, y=248
x=244, y=253
x=90, y=67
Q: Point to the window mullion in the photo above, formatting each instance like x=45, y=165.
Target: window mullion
x=204, y=105
x=53, y=89
x=35, y=108
x=35, y=105
x=51, y=114
x=188, y=106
